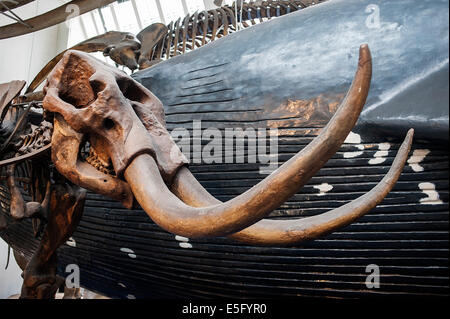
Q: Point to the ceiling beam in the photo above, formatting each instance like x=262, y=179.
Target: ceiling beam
x=50, y=18
x=13, y=16
x=12, y=4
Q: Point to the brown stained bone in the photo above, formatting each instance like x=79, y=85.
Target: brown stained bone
x=69, y=293
x=294, y=231
x=8, y=91
x=18, y=208
x=66, y=208
x=65, y=155
x=118, y=117
x=123, y=43
x=30, y=97
x=124, y=52
x=149, y=38
x=169, y=212
x=18, y=126
x=21, y=259
x=29, y=156
x=124, y=125
x=3, y=223
x=37, y=139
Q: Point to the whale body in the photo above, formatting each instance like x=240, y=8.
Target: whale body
x=313, y=53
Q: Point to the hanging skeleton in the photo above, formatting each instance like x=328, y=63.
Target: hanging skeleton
x=198, y=29
x=158, y=42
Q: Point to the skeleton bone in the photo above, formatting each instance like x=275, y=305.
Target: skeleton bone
x=65, y=210
x=195, y=30
x=287, y=232
x=121, y=46
x=124, y=122
x=18, y=208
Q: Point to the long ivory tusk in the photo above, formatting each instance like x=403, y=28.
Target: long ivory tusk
x=172, y=214
x=294, y=231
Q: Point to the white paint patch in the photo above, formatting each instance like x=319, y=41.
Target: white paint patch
x=323, y=188
x=131, y=297
x=380, y=156
x=429, y=189
x=181, y=238
x=416, y=158
x=184, y=242
x=355, y=153
x=128, y=251
x=71, y=242
x=122, y=285
x=353, y=138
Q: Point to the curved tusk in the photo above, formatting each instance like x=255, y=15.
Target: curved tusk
x=294, y=231
x=169, y=212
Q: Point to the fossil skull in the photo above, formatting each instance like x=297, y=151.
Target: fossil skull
x=120, y=119
x=133, y=156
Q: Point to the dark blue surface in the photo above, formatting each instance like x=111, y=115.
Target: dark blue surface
x=314, y=51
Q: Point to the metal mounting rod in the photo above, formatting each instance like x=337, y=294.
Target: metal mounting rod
x=14, y=16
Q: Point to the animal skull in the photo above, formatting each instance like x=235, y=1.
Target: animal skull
x=96, y=103
x=133, y=156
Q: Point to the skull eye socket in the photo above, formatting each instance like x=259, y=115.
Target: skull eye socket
x=108, y=124
x=97, y=86
x=131, y=91
x=79, y=101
